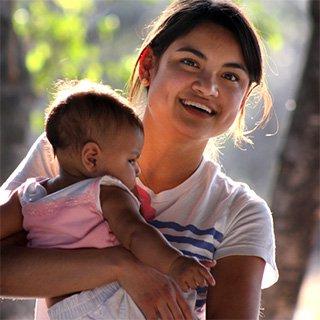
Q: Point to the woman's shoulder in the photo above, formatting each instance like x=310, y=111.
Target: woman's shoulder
x=228, y=189
x=42, y=144
x=39, y=161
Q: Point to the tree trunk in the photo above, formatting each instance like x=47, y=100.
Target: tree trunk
x=15, y=94
x=15, y=102
x=296, y=194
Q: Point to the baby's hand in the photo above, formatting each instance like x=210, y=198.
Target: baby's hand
x=190, y=273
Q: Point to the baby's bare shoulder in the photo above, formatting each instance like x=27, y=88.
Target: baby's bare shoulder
x=115, y=198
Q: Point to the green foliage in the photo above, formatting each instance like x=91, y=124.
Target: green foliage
x=108, y=25
x=87, y=39
x=76, y=6
x=62, y=41
x=36, y=121
x=267, y=26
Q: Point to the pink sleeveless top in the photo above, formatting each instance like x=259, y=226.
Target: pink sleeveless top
x=69, y=218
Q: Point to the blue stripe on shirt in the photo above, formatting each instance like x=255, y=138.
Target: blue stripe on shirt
x=202, y=290
x=195, y=242
x=195, y=255
x=200, y=303
x=175, y=226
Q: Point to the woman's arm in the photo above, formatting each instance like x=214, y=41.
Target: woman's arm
x=65, y=271
x=10, y=216
x=239, y=277
x=58, y=271
x=237, y=292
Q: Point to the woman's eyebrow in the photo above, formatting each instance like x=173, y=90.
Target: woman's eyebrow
x=194, y=51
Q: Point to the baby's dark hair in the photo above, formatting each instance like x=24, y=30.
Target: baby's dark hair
x=84, y=111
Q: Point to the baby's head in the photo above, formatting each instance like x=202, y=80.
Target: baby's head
x=94, y=132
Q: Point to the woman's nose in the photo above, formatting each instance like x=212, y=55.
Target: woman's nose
x=206, y=85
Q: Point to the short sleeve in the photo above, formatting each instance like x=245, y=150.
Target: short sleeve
x=250, y=232
x=39, y=161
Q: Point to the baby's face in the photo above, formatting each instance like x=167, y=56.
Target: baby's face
x=119, y=156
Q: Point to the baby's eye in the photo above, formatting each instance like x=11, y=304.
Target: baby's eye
x=190, y=63
x=230, y=76
x=132, y=161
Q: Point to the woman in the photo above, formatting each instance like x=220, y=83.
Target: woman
x=197, y=68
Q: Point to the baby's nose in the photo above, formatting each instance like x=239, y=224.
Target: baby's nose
x=138, y=170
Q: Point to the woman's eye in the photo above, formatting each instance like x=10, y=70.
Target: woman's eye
x=190, y=63
x=132, y=161
x=230, y=76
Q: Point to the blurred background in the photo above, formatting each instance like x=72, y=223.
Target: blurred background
x=46, y=40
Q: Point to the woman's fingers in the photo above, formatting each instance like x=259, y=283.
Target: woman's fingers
x=154, y=293
x=184, y=308
x=184, y=285
x=176, y=304
x=149, y=311
x=165, y=312
x=169, y=305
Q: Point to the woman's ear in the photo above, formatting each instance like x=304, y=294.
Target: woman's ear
x=89, y=156
x=147, y=62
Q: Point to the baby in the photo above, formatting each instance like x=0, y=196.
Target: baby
x=97, y=140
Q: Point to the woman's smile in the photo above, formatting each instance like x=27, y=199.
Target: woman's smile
x=198, y=109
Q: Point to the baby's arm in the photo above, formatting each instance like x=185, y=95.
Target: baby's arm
x=12, y=209
x=147, y=243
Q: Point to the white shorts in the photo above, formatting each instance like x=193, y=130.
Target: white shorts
x=107, y=302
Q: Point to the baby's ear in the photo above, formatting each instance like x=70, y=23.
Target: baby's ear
x=89, y=156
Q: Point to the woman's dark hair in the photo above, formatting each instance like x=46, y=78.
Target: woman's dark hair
x=181, y=16
x=84, y=111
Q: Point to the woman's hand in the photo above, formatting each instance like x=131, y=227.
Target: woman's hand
x=153, y=292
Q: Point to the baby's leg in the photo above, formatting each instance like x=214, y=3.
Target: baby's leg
x=107, y=302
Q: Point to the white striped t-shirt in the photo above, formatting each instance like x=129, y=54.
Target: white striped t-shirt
x=210, y=216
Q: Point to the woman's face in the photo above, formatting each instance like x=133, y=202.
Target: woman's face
x=199, y=84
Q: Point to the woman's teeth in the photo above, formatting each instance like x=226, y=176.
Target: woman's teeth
x=197, y=105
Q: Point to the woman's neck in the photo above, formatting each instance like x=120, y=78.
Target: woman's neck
x=167, y=162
